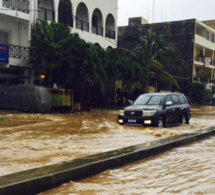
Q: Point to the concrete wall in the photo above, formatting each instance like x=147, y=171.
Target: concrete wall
x=179, y=33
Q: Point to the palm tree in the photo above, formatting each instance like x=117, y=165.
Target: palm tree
x=51, y=49
x=150, y=53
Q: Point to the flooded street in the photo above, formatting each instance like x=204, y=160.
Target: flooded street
x=183, y=170
x=33, y=140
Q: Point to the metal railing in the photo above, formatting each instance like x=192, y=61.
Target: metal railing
x=19, y=5
x=110, y=33
x=97, y=30
x=16, y=51
x=199, y=59
x=83, y=25
x=45, y=14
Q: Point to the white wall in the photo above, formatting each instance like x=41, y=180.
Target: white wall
x=106, y=7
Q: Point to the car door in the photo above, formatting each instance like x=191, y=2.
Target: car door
x=169, y=111
x=176, y=109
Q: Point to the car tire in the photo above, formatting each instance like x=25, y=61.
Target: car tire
x=161, y=122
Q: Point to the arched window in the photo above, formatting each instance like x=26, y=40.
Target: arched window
x=96, y=45
x=82, y=19
x=110, y=27
x=97, y=26
x=46, y=9
x=65, y=13
x=109, y=48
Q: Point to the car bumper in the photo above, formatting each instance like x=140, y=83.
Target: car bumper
x=144, y=121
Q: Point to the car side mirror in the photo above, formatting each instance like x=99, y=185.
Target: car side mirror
x=169, y=103
x=129, y=102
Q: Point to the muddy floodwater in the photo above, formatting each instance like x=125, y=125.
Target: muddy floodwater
x=183, y=170
x=33, y=140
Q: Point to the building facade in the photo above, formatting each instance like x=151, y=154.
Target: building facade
x=193, y=38
x=94, y=20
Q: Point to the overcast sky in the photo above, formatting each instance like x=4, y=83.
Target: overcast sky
x=165, y=10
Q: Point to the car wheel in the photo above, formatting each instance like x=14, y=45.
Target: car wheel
x=161, y=122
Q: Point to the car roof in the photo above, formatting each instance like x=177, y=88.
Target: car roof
x=163, y=93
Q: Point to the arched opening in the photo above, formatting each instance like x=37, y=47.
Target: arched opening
x=97, y=26
x=65, y=13
x=109, y=48
x=82, y=19
x=96, y=45
x=110, y=27
x=46, y=10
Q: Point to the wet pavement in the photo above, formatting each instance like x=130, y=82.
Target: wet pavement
x=34, y=140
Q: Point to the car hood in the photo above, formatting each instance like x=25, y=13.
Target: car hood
x=142, y=107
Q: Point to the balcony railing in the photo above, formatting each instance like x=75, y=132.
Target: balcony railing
x=110, y=33
x=19, y=52
x=45, y=14
x=19, y=5
x=199, y=59
x=97, y=30
x=209, y=61
x=83, y=25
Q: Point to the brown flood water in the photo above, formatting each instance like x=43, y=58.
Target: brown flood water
x=184, y=170
x=33, y=140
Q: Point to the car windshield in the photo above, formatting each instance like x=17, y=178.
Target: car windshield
x=148, y=100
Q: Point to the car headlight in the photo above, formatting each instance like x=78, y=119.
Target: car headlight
x=149, y=112
x=122, y=112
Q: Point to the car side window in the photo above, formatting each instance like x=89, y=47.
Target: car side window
x=167, y=98
x=175, y=99
x=182, y=99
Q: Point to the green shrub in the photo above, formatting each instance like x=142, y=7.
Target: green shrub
x=197, y=91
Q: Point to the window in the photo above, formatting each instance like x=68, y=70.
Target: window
x=212, y=38
x=148, y=100
x=182, y=100
x=167, y=98
x=207, y=35
x=4, y=37
x=175, y=99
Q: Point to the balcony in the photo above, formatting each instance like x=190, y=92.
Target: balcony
x=208, y=60
x=19, y=5
x=97, y=30
x=45, y=14
x=110, y=33
x=82, y=25
x=204, y=42
x=199, y=59
x=19, y=52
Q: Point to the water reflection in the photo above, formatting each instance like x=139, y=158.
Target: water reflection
x=184, y=170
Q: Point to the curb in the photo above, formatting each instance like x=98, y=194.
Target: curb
x=44, y=178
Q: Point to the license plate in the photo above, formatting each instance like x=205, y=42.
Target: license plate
x=132, y=120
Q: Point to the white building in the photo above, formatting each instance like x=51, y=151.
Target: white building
x=204, y=51
x=94, y=20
